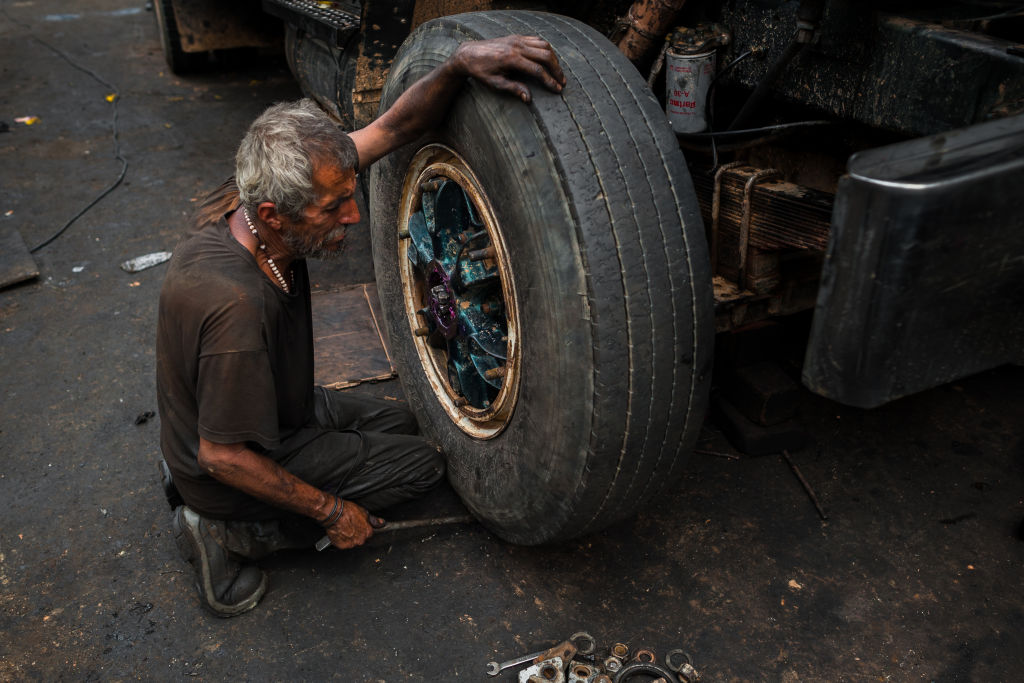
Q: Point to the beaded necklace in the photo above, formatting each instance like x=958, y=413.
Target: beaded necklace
x=263, y=247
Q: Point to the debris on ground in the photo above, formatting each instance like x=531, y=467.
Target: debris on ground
x=579, y=660
x=140, y=263
x=806, y=485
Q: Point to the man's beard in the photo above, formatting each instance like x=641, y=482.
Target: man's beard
x=305, y=246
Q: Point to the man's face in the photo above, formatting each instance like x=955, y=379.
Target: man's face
x=320, y=232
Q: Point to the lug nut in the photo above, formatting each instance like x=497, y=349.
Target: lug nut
x=461, y=401
x=496, y=373
x=481, y=254
x=403, y=234
x=496, y=307
x=421, y=331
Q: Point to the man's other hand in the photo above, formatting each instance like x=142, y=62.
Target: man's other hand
x=354, y=527
x=499, y=61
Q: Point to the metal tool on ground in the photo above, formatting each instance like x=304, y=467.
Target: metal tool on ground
x=408, y=524
x=549, y=667
x=578, y=660
x=494, y=668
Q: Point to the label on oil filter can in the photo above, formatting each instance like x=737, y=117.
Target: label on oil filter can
x=687, y=78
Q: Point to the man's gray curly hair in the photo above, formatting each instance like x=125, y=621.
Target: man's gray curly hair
x=275, y=160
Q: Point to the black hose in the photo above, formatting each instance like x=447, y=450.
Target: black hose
x=808, y=16
x=761, y=91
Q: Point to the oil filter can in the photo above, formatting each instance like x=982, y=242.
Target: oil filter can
x=687, y=78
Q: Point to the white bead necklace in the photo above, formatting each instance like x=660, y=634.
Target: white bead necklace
x=270, y=261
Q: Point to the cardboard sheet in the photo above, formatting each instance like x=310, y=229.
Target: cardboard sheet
x=348, y=341
x=16, y=263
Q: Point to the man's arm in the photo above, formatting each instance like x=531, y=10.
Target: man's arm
x=499, y=63
x=260, y=477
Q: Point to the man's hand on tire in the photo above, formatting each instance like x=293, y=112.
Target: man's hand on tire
x=354, y=527
x=498, y=63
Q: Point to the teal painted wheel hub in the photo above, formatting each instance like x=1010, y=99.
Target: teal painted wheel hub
x=459, y=292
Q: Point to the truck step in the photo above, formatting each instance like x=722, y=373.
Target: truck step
x=332, y=22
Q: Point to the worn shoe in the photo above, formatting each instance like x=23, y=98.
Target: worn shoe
x=226, y=587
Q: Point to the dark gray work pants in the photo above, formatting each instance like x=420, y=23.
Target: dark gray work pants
x=361, y=449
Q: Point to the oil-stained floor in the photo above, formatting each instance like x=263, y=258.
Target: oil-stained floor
x=916, y=575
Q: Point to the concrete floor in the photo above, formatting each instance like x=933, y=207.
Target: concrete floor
x=916, y=575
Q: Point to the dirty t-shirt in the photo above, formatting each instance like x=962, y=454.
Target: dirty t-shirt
x=234, y=358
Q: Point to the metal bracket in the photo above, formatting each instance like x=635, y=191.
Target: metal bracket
x=716, y=206
x=744, y=245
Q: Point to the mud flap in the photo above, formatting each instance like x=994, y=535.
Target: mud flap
x=923, y=281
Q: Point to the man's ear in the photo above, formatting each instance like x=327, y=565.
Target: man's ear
x=268, y=215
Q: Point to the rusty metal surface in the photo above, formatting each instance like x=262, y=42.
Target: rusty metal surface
x=743, y=249
x=645, y=25
x=205, y=25
x=768, y=237
x=735, y=307
x=385, y=27
x=903, y=74
x=716, y=209
x=783, y=215
x=431, y=9
x=786, y=225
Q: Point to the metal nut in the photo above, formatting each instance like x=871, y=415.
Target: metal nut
x=482, y=254
x=582, y=637
x=495, y=373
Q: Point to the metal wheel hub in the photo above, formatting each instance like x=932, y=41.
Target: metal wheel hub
x=459, y=292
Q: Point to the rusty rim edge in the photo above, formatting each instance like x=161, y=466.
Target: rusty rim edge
x=432, y=161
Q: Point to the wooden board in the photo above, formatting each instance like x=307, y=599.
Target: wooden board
x=16, y=263
x=348, y=345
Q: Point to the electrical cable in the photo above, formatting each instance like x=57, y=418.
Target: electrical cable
x=111, y=88
x=709, y=109
x=743, y=132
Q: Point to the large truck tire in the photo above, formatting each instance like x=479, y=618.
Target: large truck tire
x=545, y=279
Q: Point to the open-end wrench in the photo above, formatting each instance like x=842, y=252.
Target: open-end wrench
x=493, y=668
x=407, y=524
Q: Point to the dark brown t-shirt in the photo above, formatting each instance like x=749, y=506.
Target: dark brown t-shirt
x=234, y=361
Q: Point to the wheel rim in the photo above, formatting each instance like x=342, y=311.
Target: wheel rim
x=459, y=292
